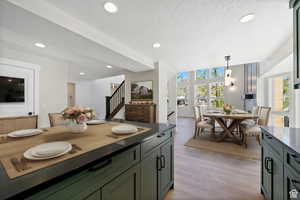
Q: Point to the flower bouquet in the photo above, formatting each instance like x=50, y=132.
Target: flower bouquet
x=227, y=108
x=78, y=117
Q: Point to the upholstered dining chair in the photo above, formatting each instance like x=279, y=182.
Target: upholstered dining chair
x=200, y=122
x=56, y=119
x=251, y=122
x=254, y=130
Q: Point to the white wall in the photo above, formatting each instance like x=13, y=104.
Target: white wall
x=92, y=94
x=160, y=76
x=53, y=80
x=233, y=95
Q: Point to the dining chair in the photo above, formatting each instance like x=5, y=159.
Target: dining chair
x=200, y=122
x=56, y=119
x=254, y=130
x=251, y=122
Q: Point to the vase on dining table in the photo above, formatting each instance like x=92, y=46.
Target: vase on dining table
x=80, y=127
x=227, y=108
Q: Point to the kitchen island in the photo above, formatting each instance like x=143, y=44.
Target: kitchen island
x=137, y=167
x=280, y=163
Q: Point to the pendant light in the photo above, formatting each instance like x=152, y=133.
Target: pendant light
x=228, y=72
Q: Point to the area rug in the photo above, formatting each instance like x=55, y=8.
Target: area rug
x=207, y=142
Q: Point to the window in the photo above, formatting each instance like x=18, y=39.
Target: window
x=182, y=76
x=218, y=72
x=279, y=100
x=202, y=74
x=217, y=89
x=201, y=93
x=182, y=96
x=217, y=94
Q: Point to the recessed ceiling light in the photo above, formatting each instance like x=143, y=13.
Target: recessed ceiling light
x=40, y=45
x=156, y=45
x=81, y=73
x=110, y=7
x=109, y=66
x=247, y=18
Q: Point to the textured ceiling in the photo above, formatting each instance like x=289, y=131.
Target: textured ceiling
x=193, y=33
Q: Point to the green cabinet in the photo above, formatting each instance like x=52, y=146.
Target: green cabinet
x=125, y=187
x=295, y=4
x=291, y=183
x=157, y=172
x=149, y=175
x=266, y=175
x=165, y=173
x=272, y=169
x=142, y=172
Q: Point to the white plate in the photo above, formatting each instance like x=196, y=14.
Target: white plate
x=25, y=133
x=94, y=122
x=124, y=129
x=53, y=149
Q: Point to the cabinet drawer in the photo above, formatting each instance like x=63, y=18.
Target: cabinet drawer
x=150, y=144
x=274, y=143
x=292, y=160
x=86, y=182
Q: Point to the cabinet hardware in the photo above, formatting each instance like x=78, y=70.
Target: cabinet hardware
x=163, y=160
x=269, y=137
x=158, y=163
x=269, y=165
x=100, y=166
x=296, y=158
x=294, y=182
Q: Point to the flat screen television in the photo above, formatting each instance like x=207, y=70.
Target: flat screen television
x=11, y=89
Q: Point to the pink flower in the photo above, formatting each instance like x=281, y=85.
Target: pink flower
x=88, y=115
x=81, y=118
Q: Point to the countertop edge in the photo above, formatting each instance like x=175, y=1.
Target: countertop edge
x=54, y=171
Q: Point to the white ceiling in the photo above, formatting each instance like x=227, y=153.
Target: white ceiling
x=193, y=34
x=21, y=29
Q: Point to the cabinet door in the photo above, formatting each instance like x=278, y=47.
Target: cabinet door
x=166, y=173
x=149, y=176
x=124, y=187
x=277, y=176
x=297, y=44
x=266, y=175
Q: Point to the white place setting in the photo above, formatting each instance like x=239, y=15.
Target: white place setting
x=124, y=129
x=95, y=122
x=48, y=150
x=24, y=133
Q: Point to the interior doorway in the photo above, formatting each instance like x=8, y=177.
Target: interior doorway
x=71, y=94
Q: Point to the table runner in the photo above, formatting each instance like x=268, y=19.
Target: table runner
x=95, y=137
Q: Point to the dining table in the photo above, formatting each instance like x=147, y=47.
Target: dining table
x=229, y=123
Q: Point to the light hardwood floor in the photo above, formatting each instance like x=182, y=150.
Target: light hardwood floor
x=203, y=175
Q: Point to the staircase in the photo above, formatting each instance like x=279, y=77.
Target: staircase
x=115, y=102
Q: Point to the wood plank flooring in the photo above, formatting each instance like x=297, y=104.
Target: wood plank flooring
x=203, y=175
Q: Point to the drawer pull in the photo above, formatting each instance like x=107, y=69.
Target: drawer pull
x=163, y=161
x=100, y=166
x=296, y=158
x=294, y=182
x=269, y=165
x=161, y=134
x=158, y=163
x=269, y=137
